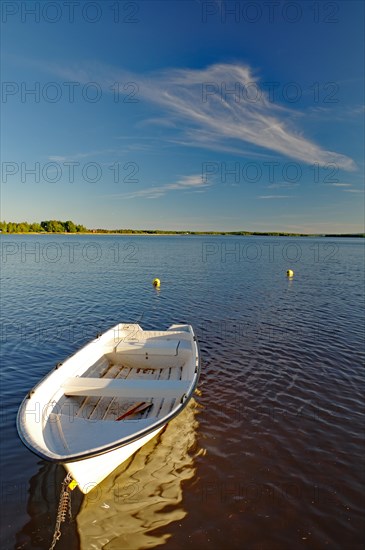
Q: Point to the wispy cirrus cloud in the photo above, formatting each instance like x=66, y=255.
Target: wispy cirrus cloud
x=192, y=183
x=274, y=197
x=340, y=184
x=346, y=187
x=85, y=154
x=213, y=115
x=199, y=105
x=283, y=185
x=337, y=112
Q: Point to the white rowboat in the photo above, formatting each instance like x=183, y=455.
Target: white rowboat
x=92, y=412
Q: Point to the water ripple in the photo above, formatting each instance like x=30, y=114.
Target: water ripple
x=271, y=453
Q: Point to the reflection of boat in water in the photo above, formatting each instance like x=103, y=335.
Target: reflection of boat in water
x=143, y=494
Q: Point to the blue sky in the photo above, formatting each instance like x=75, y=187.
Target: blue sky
x=190, y=114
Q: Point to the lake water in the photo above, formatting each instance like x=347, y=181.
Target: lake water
x=269, y=454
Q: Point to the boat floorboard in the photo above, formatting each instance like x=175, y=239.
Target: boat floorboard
x=109, y=408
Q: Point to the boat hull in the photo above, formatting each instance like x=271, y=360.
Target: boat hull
x=89, y=472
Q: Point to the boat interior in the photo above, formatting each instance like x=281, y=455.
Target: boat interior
x=133, y=385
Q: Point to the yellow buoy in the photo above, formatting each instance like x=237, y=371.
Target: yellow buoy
x=156, y=283
x=290, y=273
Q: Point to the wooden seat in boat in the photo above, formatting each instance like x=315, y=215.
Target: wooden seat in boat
x=156, y=346
x=105, y=387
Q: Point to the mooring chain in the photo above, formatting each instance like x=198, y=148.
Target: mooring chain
x=64, y=508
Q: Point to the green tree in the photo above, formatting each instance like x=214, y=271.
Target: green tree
x=81, y=229
x=70, y=227
x=53, y=226
x=23, y=227
x=36, y=227
x=45, y=225
x=12, y=227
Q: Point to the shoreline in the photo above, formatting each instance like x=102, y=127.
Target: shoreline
x=190, y=234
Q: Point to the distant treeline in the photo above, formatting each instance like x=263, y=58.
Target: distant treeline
x=49, y=226
x=57, y=226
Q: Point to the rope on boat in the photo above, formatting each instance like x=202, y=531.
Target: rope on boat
x=64, y=507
